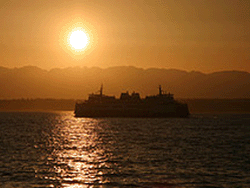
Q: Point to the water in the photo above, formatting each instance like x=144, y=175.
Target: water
x=57, y=150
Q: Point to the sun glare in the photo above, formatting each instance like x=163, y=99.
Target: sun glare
x=78, y=40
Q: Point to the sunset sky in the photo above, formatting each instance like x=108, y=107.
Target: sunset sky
x=200, y=35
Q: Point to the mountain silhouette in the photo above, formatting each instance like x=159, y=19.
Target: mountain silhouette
x=78, y=82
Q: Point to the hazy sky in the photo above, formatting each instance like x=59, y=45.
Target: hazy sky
x=201, y=35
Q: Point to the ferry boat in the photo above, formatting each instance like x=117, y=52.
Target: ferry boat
x=131, y=105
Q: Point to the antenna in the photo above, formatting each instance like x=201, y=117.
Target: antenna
x=160, y=91
x=101, y=89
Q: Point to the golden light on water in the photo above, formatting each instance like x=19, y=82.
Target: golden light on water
x=78, y=158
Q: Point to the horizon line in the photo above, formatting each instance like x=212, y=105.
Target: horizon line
x=125, y=66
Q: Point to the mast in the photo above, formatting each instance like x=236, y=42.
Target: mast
x=101, y=90
x=160, y=91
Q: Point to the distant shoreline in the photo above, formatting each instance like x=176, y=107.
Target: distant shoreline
x=195, y=105
x=218, y=105
x=37, y=105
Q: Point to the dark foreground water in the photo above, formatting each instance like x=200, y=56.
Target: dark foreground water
x=58, y=150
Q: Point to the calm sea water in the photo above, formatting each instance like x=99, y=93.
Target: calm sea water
x=58, y=150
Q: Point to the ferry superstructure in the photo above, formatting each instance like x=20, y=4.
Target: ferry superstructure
x=131, y=105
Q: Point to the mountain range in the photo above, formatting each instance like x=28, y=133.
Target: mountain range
x=78, y=82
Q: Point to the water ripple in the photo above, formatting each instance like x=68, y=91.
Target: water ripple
x=58, y=150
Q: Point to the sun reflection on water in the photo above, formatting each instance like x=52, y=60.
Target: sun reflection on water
x=78, y=159
x=59, y=150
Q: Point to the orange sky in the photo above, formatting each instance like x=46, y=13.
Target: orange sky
x=201, y=35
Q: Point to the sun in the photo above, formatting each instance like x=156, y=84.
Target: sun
x=78, y=39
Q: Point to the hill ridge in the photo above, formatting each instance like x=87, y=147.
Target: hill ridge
x=78, y=82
